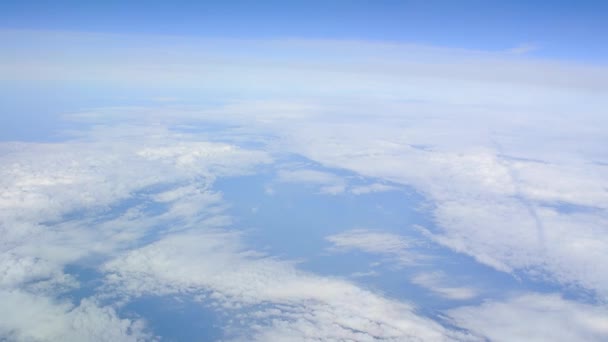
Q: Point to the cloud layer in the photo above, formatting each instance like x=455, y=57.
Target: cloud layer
x=509, y=154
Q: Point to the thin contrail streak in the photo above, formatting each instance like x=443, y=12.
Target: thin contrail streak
x=530, y=207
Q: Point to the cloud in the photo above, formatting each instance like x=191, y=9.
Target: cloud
x=307, y=176
x=307, y=66
x=371, y=188
x=63, y=204
x=390, y=245
x=27, y=317
x=503, y=211
x=435, y=282
x=329, y=183
x=306, y=306
x=183, y=247
x=522, y=49
x=534, y=317
x=513, y=169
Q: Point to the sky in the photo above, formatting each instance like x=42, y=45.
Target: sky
x=557, y=29
x=303, y=171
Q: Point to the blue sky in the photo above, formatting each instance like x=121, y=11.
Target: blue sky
x=574, y=30
x=303, y=170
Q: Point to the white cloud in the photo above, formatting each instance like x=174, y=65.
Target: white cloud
x=371, y=188
x=311, y=307
x=522, y=49
x=562, y=246
x=364, y=274
x=194, y=253
x=305, y=66
x=436, y=282
x=494, y=142
x=57, y=208
x=495, y=208
x=307, y=176
x=534, y=317
x=390, y=245
x=329, y=183
x=27, y=317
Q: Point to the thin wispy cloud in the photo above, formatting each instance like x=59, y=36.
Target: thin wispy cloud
x=390, y=245
x=437, y=283
x=523, y=49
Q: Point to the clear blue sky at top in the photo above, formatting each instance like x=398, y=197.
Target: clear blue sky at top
x=575, y=30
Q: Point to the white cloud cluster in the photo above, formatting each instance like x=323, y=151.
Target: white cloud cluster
x=504, y=211
x=194, y=253
x=56, y=209
x=309, y=307
x=534, y=317
x=29, y=317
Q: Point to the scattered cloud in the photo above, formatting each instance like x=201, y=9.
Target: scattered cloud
x=61, y=205
x=306, y=306
x=503, y=212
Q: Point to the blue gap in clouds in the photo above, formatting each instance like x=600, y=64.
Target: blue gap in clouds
x=293, y=222
x=177, y=318
x=90, y=281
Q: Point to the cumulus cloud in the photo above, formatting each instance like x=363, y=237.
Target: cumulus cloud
x=534, y=317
